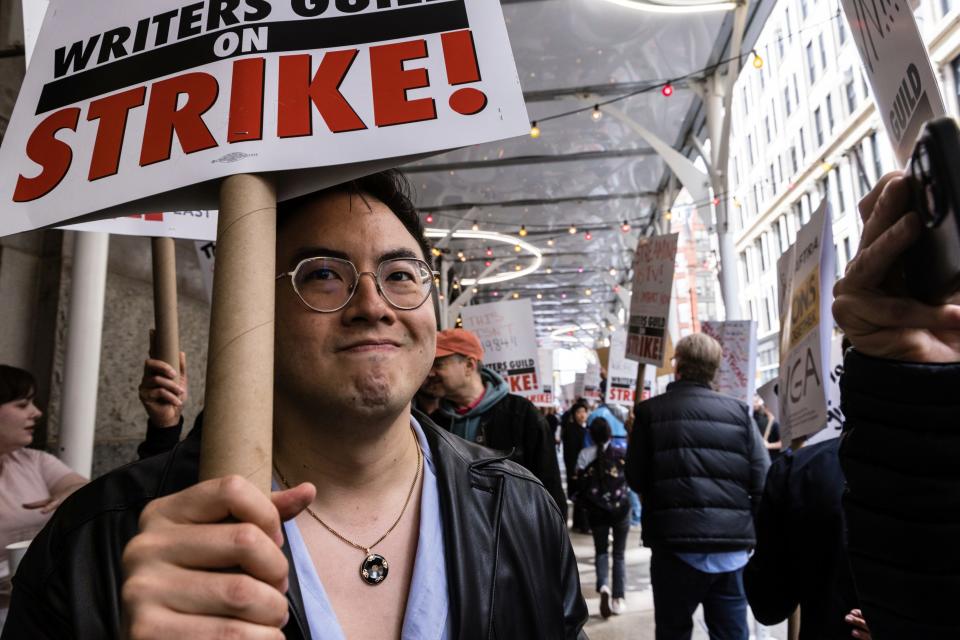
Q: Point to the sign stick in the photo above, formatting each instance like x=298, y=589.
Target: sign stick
x=238, y=419
x=167, y=336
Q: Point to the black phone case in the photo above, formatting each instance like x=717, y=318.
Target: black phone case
x=932, y=264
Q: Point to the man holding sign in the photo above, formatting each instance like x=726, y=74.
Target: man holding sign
x=392, y=524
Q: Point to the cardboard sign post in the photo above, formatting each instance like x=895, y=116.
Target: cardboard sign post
x=898, y=66
x=737, y=375
x=238, y=417
x=805, y=275
x=509, y=340
x=653, y=266
x=166, y=342
x=621, y=372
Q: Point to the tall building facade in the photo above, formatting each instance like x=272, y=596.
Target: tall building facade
x=805, y=128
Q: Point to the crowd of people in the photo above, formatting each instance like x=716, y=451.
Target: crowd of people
x=416, y=497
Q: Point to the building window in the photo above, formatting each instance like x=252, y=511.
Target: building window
x=750, y=149
x=783, y=234
x=846, y=245
x=851, y=96
x=780, y=43
x=803, y=145
x=758, y=249
x=811, y=64
x=804, y=9
x=786, y=100
x=742, y=268
x=767, y=315
x=946, y=6
x=796, y=90
x=773, y=180
x=830, y=113
x=841, y=196
x=766, y=125
x=841, y=30
x=875, y=152
x=818, y=127
x=794, y=167
x=955, y=67
x=823, y=51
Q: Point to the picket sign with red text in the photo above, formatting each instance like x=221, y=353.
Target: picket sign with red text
x=130, y=107
x=805, y=274
x=653, y=266
x=509, y=340
x=737, y=375
x=898, y=66
x=621, y=372
x=545, y=397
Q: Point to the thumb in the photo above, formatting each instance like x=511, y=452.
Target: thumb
x=291, y=502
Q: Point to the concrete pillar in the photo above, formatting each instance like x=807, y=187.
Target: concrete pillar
x=81, y=371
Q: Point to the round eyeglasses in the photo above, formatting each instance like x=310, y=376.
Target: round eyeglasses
x=328, y=284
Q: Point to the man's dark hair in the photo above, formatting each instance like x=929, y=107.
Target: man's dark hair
x=390, y=187
x=600, y=431
x=15, y=384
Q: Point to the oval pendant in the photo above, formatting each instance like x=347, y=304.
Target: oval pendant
x=374, y=569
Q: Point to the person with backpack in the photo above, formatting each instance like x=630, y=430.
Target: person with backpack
x=602, y=492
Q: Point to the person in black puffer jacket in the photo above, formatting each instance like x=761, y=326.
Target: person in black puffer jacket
x=698, y=462
x=901, y=441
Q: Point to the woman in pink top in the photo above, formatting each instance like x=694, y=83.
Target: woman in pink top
x=32, y=483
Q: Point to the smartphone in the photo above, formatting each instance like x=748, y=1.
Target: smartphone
x=932, y=264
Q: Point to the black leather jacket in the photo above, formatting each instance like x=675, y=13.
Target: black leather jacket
x=511, y=571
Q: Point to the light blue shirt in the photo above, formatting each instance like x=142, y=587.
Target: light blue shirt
x=426, y=615
x=717, y=562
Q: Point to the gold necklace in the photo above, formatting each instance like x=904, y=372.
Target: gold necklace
x=374, y=568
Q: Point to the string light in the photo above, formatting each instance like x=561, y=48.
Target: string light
x=539, y=296
x=572, y=230
x=487, y=263
x=460, y=254
x=489, y=251
x=534, y=130
x=436, y=252
x=523, y=231
x=579, y=269
x=625, y=227
x=475, y=290
x=463, y=258
x=757, y=60
x=549, y=270
x=429, y=218
x=588, y=236
x=476, y=226
x=496, y=294
x=613, y=271
x=456, y=285
x=550, y=242
x=668, y=215
x=716, y=201
x=667, y=90
x=589, y=292
x=517, y=267
x=515, y=295
x=517, y=248
x=597, y=114
x=563, y=296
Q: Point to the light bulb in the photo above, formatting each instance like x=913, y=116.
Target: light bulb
x=534, y=130
x=476, y=226
x=487, y=263
x=523, y=231
x=463, y=258
x=517, y=248
x=515, y=295
x=549, y=270
x=436, y=252
x=572, y=230
x=459, y=254
x=550, y=242
x=716, y=202
x=539, y=296
x=579, y=269
x=496, y=294
x=429, y=218
x=667, y=90
x=563, y=296
x=456, y=285
x=588, y=291
x=613, y=271
x=517, y=267
x=475, y=290
x=588, y=236
x=597, y=114
x=489, y=251
x=757, y=60
x=625, y=227
x=668, y=215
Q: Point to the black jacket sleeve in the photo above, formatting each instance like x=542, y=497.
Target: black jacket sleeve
x=771, y=590
x=900, y=453
x=637, y=452
x=541, y=454
x=159, y=440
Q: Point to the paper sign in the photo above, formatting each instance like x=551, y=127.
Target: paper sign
x=206, y=258
x=591, y=382
x=143, y=106
x=578, y=385
x=189, y=225
x=768, y=393
x=621, y=372
x=898, y=66
x=509, y=340
x=834, y=415
x=737, y=375
x=653, y=266
x=805, y=274
x=545, y=397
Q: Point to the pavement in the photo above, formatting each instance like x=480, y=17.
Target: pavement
x=637, y=622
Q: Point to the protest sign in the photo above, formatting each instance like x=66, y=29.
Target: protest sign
x=621, y=372
x=189, y=225
x=834, y=414
x=545, y=397
x=768, y=393
x=509, y=340
x=143, y=106
x=653, y=266
x=591, y=382
x=805, y=276
x=898, y=67
x=737, y=375
x=578, y=385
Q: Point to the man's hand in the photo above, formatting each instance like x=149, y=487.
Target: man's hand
x=871, y=303
x=860, y=628
x=176, y=585
x=163, y=392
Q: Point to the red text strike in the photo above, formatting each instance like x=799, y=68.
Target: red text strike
x=175, y=107
x=460, y=58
